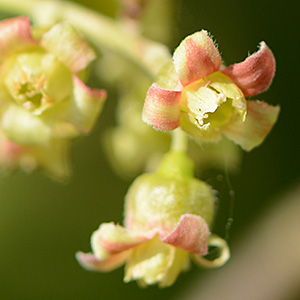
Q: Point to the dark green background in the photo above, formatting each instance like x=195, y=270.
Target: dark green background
x=43, y=223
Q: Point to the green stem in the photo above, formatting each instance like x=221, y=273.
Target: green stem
x=176, y=163
x=102, y=31
x=179, y=140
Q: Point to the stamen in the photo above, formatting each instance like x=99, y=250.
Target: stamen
x=224, y=253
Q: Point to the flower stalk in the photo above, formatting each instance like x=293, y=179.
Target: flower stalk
x=179, y=140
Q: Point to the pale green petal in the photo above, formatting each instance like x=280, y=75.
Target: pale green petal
x=150, y=262
x=84, y=106
x=168, y=78
x=224, y=85
x=180, y=263
x=63, y=41
x=22, y=127
x=260, y=119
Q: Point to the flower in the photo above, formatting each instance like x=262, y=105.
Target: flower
x=54, y=159
x=167, y=218
x=193, y=92
x=43, y=101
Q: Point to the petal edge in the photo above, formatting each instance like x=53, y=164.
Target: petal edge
x=259, y=121
x=91, y=263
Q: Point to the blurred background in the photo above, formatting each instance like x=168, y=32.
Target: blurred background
x=43, y=223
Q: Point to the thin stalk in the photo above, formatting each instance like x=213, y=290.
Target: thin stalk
x=179, y=140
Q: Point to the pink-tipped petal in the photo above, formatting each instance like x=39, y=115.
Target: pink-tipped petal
x=70, y=48
x=162, y=108
x=91, y=263
x=196, y=57
x=15, y=35
x=191, y=235
x=259, y=121
x=112, y=239
x=86, y=105
x=255, y=74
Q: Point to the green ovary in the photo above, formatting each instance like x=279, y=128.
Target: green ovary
x=36, y=80
x=155, y=201
x=222, y=115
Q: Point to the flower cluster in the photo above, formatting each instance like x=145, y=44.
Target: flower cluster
x=44, y=104
x=206, y=101
x=43, y=101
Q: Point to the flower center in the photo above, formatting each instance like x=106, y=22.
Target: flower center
x=31, y=92
x=212, y=101
x=36, y=80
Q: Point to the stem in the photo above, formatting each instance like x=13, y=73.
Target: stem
x=179, y=140
x=102, y=31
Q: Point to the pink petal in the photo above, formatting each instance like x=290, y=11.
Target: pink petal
x=255, y=74
x=162, y=108
x=15, y=35
x=91, y=263
x=259, y=121
x=191, y=234
x=113, y=239
x=196, y=57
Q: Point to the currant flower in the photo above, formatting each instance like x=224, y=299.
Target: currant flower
x=42, y=98
x=193, y=92
x=167, y=219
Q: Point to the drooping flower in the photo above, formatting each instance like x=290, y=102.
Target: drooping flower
x=43, y=101
x=167, y=218
x=206, y=101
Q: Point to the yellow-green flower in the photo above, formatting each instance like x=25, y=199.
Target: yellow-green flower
x=42, y=98
x=167, y=219
x=207, y=102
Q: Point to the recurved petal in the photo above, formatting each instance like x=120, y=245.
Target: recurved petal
x=15, y=35
x=191, y=234
x=162, y=108
x=111, y=239
x=70, y=48
x=196, y=57
x=255, y=74
x=260, y=119
x=91, y=263
x=84, y=107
